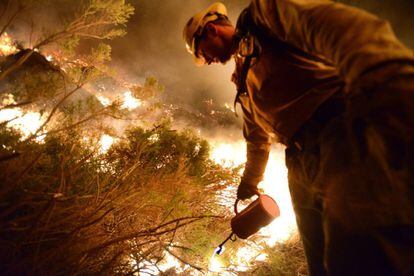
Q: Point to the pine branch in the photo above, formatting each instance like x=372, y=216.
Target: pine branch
x=150, y=232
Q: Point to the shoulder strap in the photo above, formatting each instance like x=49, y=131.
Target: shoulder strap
x=245, y=30
x=241, y=82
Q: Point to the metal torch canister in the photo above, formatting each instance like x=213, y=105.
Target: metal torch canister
x=258, y=214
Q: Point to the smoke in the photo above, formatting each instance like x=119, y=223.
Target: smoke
x=154, y=45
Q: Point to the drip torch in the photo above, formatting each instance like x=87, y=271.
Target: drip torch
x=250, y=220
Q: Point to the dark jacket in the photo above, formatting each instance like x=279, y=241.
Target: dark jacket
x=309, y=50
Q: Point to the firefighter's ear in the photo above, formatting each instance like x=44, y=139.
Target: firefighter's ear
x=211, y=29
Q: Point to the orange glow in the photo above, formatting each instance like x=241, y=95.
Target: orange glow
x=274, y=184
x=215, y=265
x=105, y=142
x=27, y=123
x=228, y=154
x=104, y=100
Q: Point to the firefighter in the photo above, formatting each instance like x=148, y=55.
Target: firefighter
x=335, y=85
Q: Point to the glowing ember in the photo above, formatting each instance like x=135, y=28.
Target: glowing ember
x=7, y=99
x=227, y=106
x=154, y=138
x=6, y=45
x=49, y=58
x=105, y=142
x=130, y=102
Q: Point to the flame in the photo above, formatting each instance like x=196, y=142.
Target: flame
x=228, y=154
x=105, y=142
x=244, y=256
x=215, y=265
x=169, y=261
x=130, y=102
x=9, y=114
x=274, y=184
x=6, y=45
x=26, y=123
x=261, y=257
x=104, y=100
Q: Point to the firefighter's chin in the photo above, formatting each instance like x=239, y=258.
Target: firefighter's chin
x=224, y=60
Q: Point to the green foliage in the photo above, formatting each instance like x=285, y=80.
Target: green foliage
x=164, y=148
x=69, y=46
x=151, y=88
x=97, y=19
x=63, y=196
x=101, y=54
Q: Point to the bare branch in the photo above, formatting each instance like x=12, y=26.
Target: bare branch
x=150, y=232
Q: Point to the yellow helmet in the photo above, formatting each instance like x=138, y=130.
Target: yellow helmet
x=194, y=28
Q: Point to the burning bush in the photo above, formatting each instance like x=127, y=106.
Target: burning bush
x=67, y=209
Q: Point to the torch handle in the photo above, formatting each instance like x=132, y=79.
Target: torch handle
x=235, y=206
x=237, y=202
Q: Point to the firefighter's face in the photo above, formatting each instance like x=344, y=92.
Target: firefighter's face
x=215, y=44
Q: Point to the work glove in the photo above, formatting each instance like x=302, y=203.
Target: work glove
x=246, y=190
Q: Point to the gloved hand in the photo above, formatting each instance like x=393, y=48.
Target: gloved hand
x=246, y=190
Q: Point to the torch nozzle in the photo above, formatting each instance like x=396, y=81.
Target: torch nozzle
x=220, y=248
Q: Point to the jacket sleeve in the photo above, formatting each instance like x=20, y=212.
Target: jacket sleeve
x=352, y=39
x=258, y=146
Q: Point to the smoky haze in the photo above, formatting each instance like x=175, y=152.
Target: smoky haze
x=154, y=45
